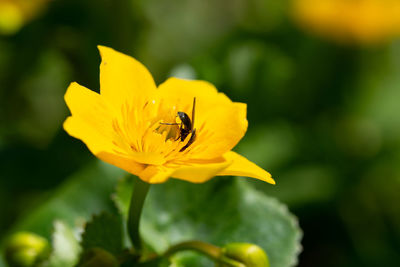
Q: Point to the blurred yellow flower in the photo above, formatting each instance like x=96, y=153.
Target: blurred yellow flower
x=123, y=125
x=15, y=13
x=359, y=21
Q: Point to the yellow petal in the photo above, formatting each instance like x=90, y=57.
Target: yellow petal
x=224, y=128
x=155, y=174
x=243, y=167
x=122, y=162
x=123, y=79
x=200, y=171
x=90, y=120
x=180, y=93
x=94, y=140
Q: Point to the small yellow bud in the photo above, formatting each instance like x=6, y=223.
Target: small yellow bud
x=249, y=255
x=98, y=257
x=25, y=249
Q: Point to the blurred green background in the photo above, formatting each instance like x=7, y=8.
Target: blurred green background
x=324, y=116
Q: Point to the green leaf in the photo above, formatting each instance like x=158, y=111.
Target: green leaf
x=66, y=248
x=85, y=193
x=104, y=231
x=220, y=211
x=122, y=194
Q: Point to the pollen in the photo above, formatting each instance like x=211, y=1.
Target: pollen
x=142, y=131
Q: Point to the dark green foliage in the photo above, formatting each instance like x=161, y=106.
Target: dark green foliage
x=103, y=231
x=97, y=257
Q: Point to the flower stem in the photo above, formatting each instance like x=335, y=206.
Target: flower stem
x=207, y=249
x=140, y=189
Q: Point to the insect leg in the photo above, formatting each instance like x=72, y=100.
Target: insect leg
x=169, y=123
x=191, y=140
x=180, y=132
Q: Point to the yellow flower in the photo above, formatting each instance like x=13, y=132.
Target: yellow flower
x=361, y=21
x=123, y=125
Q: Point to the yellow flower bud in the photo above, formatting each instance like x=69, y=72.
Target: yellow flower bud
x=25, y=249
x=249, y=255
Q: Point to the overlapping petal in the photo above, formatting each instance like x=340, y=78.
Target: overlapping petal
x=124, y=162
x=180, y=92
x=91, y=119
x=222, y=130
x=199, y=171
x=156, y=174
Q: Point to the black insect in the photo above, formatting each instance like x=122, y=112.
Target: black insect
x=185, y=127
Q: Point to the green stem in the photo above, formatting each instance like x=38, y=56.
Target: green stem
x=139, y=193
x=207, y=249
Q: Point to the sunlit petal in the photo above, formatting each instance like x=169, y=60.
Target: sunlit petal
x=90, y=120
x=156, y=174
x=125, y=163
x=123, y=79
x=221, y=131
x=180, y=93
x=241, y=166
x=200, y=171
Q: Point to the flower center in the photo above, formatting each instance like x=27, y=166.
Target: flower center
x=158, y=131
